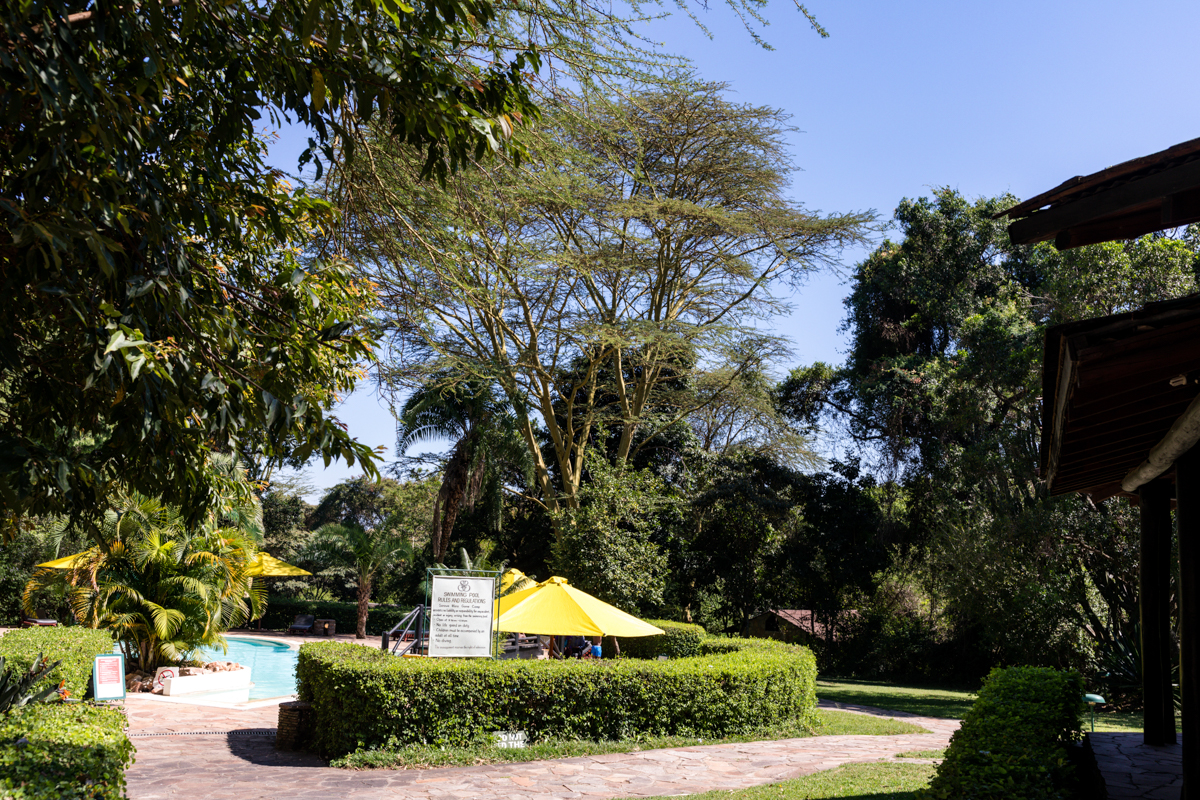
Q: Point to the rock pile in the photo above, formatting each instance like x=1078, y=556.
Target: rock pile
x=139, y=681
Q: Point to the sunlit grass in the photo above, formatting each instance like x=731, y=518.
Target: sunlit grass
x=849, y=782
x=943, y=702
x=922, y=754
x=829, y=723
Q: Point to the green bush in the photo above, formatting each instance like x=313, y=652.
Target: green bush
x=678, y=640
x=59, y=751
x=720, y=645
x=282, y=611
x=76, y=647
x=364, y=698
x=1012, y=743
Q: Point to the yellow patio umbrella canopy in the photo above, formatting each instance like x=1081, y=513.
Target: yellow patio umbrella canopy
x=555, y=608
x=264, y=565
x=66, y=562
x=268, y=566
x=515, y=579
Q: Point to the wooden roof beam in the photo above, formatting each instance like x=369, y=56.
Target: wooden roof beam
x=1182, y=436
x=1138, y=193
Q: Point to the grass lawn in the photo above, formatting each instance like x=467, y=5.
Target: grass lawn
x=946, y=702
x=850, y=782
x=830, y=723
x=939, y=702
x=922, y=754
x=1119, y=721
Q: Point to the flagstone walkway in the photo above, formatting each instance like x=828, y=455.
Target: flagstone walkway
x=219, y=754
x=1134, y=770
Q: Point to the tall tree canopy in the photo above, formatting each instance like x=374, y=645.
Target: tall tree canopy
x=944, y=376
x=629, y=263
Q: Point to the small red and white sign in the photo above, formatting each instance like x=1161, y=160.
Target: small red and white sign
x=108, y=677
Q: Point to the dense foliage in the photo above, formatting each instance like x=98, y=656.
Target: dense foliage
x=1012, y=743
x=941, y=390
x=161, y=588
x=64, y=751
x=157, y=298
x=282, y=611
x=76, y=647
x=364, y=698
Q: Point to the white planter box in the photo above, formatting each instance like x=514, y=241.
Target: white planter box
x=212, y=682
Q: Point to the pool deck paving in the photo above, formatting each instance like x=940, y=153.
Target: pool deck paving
x=229, y=754
x=1133, y=769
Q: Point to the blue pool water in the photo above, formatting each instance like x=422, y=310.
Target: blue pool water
x=272, y=665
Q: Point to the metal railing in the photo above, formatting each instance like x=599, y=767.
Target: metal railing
x=411, y=636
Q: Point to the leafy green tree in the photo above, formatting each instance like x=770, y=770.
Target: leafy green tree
x=606, y=546
x=156, y=299
x=943, y=382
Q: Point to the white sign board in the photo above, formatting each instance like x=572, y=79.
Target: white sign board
x=460, y=616
x=108, y=677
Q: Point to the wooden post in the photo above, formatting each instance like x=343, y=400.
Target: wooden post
x=1154, y=605
x=1187, y=517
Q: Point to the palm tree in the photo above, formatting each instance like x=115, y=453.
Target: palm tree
x=486, y=440
x=162, y=589
x=367, y=550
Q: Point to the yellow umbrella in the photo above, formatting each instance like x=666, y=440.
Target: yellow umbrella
x=265, y=565
x=268, y=566
x=66, y=562
x=515, y=580
x=555, y=608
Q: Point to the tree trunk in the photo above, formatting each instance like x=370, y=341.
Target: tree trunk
x=364, y=601
x=450, y=496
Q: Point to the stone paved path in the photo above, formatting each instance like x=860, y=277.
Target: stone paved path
x=1132, y=769
x=217, y=754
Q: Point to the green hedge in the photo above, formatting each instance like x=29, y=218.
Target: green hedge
x=69, y=750
x=678, y=640
x=282, y=611
x=365, y=698
x=1012, y=743
x=719, y=645
x=76, y=646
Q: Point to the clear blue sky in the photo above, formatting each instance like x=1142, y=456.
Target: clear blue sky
x=903, y=97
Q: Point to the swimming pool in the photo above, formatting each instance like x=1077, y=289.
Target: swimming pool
x=272, y=665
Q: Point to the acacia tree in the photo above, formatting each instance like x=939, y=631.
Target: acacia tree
x=635, y=253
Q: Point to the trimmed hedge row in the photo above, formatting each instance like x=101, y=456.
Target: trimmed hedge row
x=365, y=698
x=719, y=645
x=76, y=647
x=282, y=611
x=54, y=751
x=1012, y=743
x=678, y=640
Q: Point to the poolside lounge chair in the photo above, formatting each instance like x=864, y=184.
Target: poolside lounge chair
x=303, y=624
x=36, y=621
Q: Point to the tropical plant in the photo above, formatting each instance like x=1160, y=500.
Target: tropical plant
x=16, y=686
x=486, y=441
x=367, y=551
x=163, y=589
